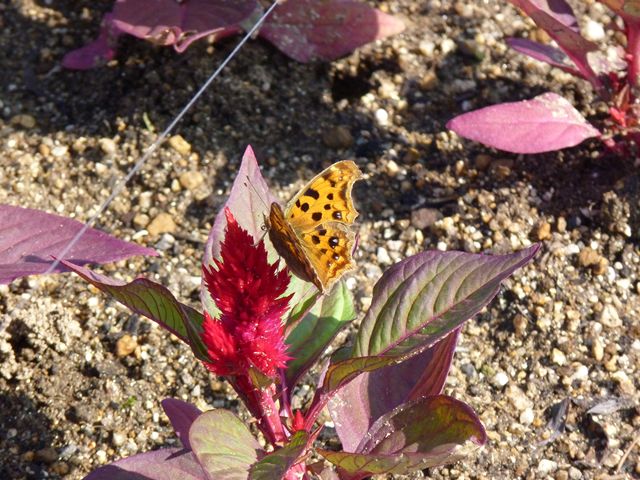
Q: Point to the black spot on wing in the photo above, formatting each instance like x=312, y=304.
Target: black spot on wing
x=317, y=216
x=333, y=242
x=304, y=207
x=337, y=215
x=310, y=192
x=330, y=196
x=315, y=239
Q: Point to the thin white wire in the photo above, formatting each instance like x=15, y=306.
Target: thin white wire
x=120, y=186
x=122, y=183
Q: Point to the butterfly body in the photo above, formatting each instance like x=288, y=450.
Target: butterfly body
x=312, y=233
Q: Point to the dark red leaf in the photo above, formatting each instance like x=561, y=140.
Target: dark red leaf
x=308, y=30
x=29, y=239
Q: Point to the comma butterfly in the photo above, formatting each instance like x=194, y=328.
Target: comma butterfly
x=312, y=233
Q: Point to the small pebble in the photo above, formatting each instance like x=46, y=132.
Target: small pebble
x=526, y=417
x=191, y=180
x=46, y=455
x=59, y=151
x=180, y=145
x=500, y=379
x=338, y=137
x=546, y=466
x=126, y=345
x=162, y=223
x=107, y=145
x=558, y=357
x=23, y=120
x=594, y=31
x=543, y=231
x=382, y=117
x=383, y=256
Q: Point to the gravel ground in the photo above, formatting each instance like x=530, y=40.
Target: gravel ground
x=81, y=379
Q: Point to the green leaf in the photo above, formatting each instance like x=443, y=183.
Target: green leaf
x=155, y=302
x=317, y=329
x=421, y=299
x=420, y=434
x=223, y=445
x=342, y=372
x=276, y=464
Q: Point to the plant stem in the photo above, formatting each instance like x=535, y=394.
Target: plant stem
x=260, y=403
x=633, y=50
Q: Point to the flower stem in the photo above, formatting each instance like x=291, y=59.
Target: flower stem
x=260, y=403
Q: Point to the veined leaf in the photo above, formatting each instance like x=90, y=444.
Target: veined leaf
x=546, y=123
x=316, y=331
x=420, y=300
x=423, y=433
x=223, y=445
x=356, y=406
x=164, y=464
x=276, y=464
x=155, y=302
x=29, y=239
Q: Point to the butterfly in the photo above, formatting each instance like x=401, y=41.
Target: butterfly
x=312, y=233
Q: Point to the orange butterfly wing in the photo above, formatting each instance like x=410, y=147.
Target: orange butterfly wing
x=312, y=233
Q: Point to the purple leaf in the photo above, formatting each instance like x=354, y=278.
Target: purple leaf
x=544, y=53
x=165, y=464
x=30, y=238
x=318, y=328
x=559, y=10
x=98, y=52
x=556, y=18
x=361, y=402
x=168, y=22
x=420, y=434
x=307, y=30
x=223, y=445
x=276, y=464
x=546, y=123
x=182, y=415
x=249, y=202
x=421, y=299
x=155, y=302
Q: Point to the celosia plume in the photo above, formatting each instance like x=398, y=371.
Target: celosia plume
x=248, y=291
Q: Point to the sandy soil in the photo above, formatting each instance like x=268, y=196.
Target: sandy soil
x=562, y=333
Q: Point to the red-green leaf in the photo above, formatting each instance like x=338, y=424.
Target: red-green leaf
x=155, y=302
x=276, y=464
x=357, y=405
x=418, y=301
x=423, y=433
x=223, y=445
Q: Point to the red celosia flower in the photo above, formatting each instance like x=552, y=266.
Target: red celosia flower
x=248, y=291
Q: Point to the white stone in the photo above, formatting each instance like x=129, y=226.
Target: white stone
x=547, y=466
x=500, y=379
x=526, y=417
x=594, y=31
x=382, y=117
